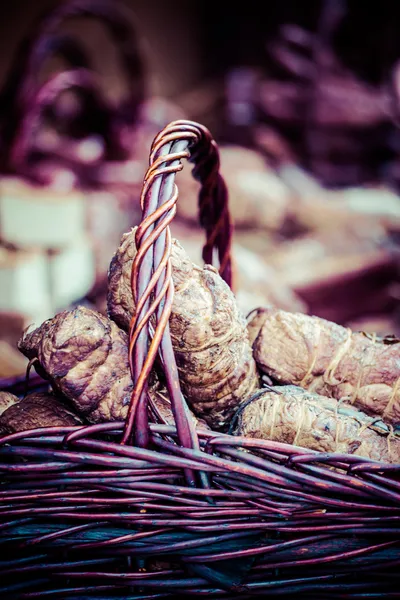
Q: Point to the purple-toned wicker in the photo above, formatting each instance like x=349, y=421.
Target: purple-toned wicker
x=85, y=513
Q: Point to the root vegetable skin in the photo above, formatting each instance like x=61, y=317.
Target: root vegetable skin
x=7, y=400
x=85, y=356
x=216, y=367
x=256, y=320
x=291, y=415
x=329, y=359
x=37, y=410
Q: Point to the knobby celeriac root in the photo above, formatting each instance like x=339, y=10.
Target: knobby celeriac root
x=38, y=409
x=292, y=415
x=6, y=400
x=329, y=359
x=85, y=357
x=216, y=367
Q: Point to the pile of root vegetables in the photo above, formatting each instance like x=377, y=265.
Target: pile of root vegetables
x=278, y=375
x=299, y=246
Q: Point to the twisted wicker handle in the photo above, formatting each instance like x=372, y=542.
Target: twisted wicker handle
x=152, y=284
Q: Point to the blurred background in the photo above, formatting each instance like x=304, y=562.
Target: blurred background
x=303, y=100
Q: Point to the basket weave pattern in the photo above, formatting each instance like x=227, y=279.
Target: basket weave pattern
x=147, y=510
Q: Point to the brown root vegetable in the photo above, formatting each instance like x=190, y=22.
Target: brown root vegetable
x=85, y=356
x=291, y=415
x=256, y=320
x=329, y=359
x=216, y=367
x=38, y=409
x=7, y=400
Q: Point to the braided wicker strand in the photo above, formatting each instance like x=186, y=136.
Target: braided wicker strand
x=151, y=280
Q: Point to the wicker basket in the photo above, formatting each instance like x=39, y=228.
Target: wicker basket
x=90, y=513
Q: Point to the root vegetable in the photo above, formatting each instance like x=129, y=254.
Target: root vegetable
x=324, y=357
x=209, y=337
x=85, y=356
x=7, y=400
x=38, y=409
x=291, y=415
